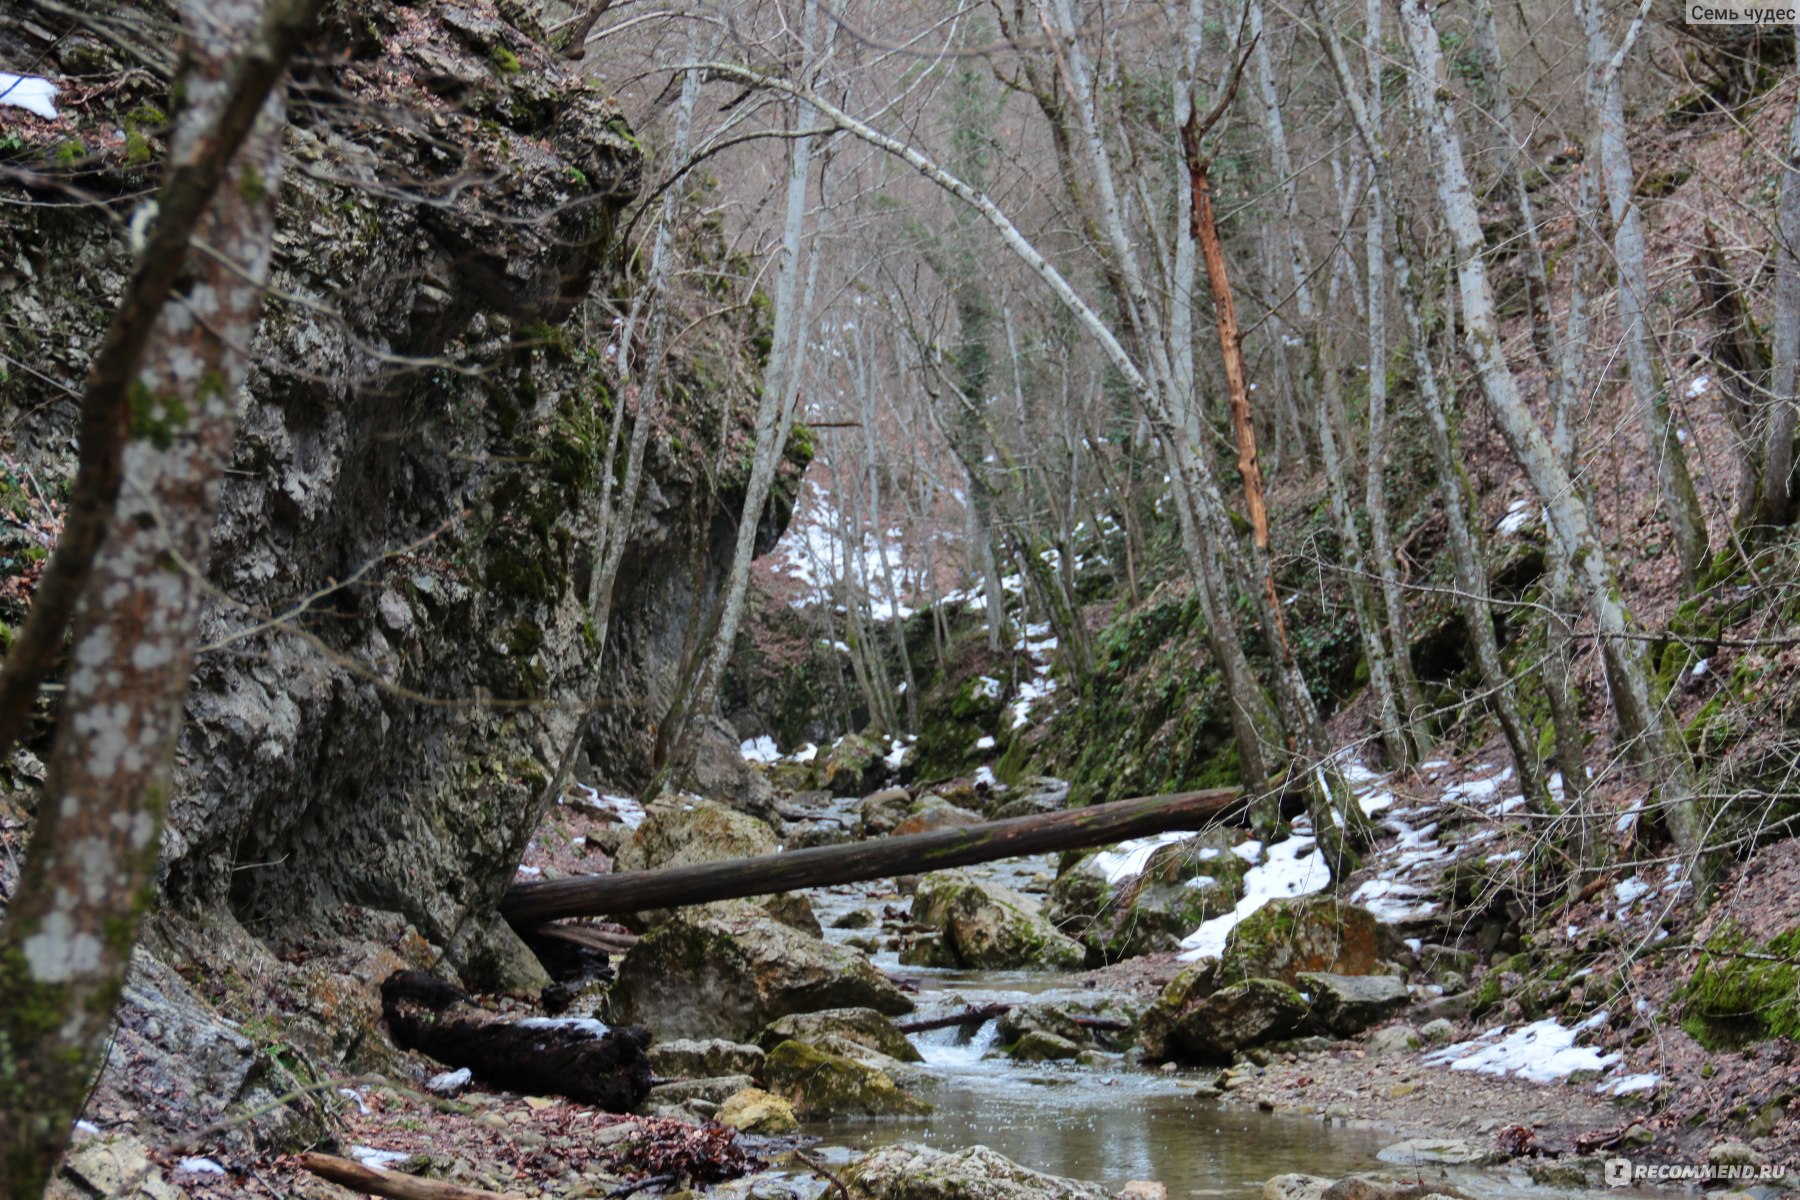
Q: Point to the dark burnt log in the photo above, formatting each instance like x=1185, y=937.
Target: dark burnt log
x=605, y=1068
x=529, y=904
x=373, y=1181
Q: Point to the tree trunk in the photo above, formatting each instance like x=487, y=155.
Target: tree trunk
x=1777, y=507
x=1651, y=741
x=88, y=876
x=528, y=904
x=1606, y=99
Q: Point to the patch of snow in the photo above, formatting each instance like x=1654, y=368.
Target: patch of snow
x=804, y=754
x=985, y=777
x=200, y=1166
x=1624, y=1085
x=1509, y=856
x=586, y=1025
x=1629, y=817
x=1415, y=944
x=1394, y=902
x=30, y=93
x=1250, y=851
x=1542, y=1052
x=368, y=1156
x=760, y=750
x=987, y=687
x=353, y=1094
x=1294, y=867
x=1129, y=858
x=629, y=812
x=984, y=742
x=86, y=1126
x=1510, y=804
x=1699, y=387
x=1629, y=891
x=531, y=870
x=1700, y=667
x=448, y=1083
x=895, y=758
x=1518, y=515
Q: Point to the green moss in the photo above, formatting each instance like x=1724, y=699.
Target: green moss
x=251, y=185
x=1741, y=992
x=505, y=61
x=156, y=417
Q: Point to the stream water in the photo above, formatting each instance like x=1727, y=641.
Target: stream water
x=1110, y=1122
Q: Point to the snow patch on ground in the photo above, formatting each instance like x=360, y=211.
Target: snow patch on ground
x=1294, y=867
x=629, y=812
x=585, y=1025
x=1130, y=858
x=1542, y=1052
x=200, y=1166
x=30, y=93
x=368, y=1156
x=760, y=750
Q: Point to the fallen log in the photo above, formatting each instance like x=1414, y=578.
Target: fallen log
x=578, y=1058
x=373, y=1181
x=528, y=904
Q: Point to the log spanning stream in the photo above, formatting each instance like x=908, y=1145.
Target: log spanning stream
x=528, y=904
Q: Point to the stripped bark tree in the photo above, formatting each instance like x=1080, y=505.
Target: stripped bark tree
x=87, y=880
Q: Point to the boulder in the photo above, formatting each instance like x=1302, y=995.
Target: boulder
x=1181, y=993
x=1212, y=1028
x=1295, y=1187
x=685, y=1058
x=1395, y=1039
x=1040, y=795
x=756, y=1111
x=719, y=770
x=1037, y=1046
x=115, y=1166
x=1286, y=937
x=906, y=1171
x=1386, y=1187
x=852, y=766
x=983, y=925
x=714, y=1091
x=1439, y=1032
x=1052, y=1019
x=821, y=1084
x=1348, y=1004
x=863, y=1026
x=1448, y=1152
x=1179, y=886
x=934, y=812
x=703, y=975
x=883, y=810
x=687, y=830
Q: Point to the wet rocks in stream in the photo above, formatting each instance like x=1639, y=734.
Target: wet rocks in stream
x=971, y=923
x=907, y=1171
x=708, y=975
x=819, y=1083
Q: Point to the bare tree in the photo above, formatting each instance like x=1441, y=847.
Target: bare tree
x=87, y=881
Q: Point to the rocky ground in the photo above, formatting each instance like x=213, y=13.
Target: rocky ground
x=1440, y=1016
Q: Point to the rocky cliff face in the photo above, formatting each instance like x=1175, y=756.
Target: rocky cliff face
x=400, y=647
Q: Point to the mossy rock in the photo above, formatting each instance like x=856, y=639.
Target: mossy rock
x=851, y=767
x=756, y=1111
x=1730, y=1001
x=705, y=975
x=1308, y=933
x=863, y=1026
x=821, y=1084
x=1213, y=1027
x=1182, y=885
x=985, y=926
x=686, y=832
x=1039, y=1046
